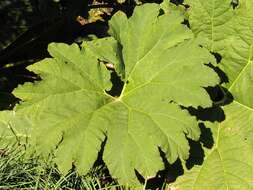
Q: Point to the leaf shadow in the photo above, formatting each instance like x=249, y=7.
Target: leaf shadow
x=222, y=75
x=117, y=85
x=220, y=96
x=168, y=175
x=197, y=154
x=104, y=176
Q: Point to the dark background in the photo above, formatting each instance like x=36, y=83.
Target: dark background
x=28, y=26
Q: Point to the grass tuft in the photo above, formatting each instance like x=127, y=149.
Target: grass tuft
x=19, y=172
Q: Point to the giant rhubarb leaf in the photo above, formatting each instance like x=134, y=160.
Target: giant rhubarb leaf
x=162, y=67
x=228, y=165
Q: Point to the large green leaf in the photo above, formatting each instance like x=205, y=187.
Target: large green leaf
x=162, y=66
x=228, y=165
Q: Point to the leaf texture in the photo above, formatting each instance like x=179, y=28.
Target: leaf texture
x=210, y=20
x=162, y=67
x=228, y=165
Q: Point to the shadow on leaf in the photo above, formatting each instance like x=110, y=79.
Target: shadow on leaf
x=168, y=175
